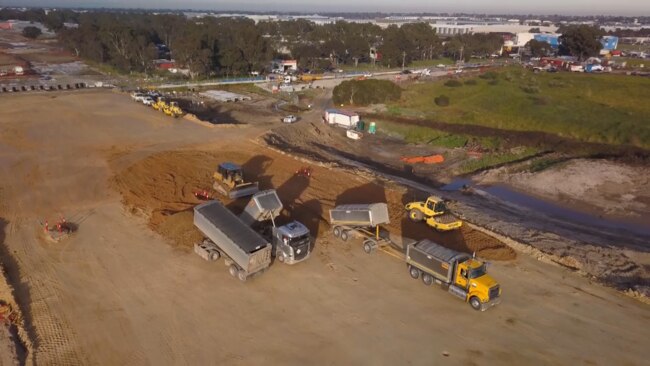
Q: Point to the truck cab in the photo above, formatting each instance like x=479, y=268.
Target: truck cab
x=291, y=242
x=479, y=289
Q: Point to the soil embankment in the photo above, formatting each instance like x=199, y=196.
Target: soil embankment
x=162, y=186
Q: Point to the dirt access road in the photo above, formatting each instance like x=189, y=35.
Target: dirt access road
x=117, y=292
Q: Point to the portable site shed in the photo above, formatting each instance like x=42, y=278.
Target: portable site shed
x=341, y=118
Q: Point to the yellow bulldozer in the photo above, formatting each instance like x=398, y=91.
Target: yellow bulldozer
x=435, y=213
x=172, y=109
x=229, y=181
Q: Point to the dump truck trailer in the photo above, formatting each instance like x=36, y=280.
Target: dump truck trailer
x=245, y=252
x=291, y=242
x=459, y=273
x=361, y=220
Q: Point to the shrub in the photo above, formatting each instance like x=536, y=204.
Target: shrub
x=442, y=101
x=530, y=89
x=556, y=84
x=365, y=92
x=493, y=82
x=32, y=32
x=453, y=83
x=540, y=100
x=508, y=76
x=471, y=82
x=490, y=75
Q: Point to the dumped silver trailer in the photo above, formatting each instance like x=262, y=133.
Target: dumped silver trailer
x=244, y=251
x=263, y=206
x=361, y=220
x=371, y=214
x=291, y=242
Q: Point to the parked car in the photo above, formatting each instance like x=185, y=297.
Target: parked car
x=406, y=72
x=290, y=119
x=147, y=100
x=137, y=96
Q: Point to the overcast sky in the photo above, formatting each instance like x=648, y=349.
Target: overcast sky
x=563, y=7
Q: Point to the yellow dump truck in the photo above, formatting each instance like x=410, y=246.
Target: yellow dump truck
x=459, y=273
x=435, y=213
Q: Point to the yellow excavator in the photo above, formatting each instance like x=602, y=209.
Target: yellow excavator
x=159, y=104
x=229, y=181
x=172, y=109
x=435, y=213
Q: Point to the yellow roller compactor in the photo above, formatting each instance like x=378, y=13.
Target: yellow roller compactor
x=435, y=213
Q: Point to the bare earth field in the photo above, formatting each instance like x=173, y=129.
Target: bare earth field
x=125, y=288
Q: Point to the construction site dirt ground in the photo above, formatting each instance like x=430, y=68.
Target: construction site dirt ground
x=126, y=289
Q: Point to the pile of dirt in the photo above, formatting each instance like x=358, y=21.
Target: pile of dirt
x=162, y=186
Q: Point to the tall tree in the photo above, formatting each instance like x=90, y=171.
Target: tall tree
x=538, y=48
x=581, y=41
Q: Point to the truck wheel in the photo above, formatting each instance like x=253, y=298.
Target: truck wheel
x=475, y=303
x=367, y=247
x=233, y=270
x=427, y=279
x=242, y=275
x=215, y=255
x=415, y=215
x=337, y=231
x=414, y=272
x=281, y=257
x=344, y=235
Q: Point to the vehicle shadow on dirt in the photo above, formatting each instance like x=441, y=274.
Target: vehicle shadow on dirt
x=209, y=112
x=21, y=294
x=255, y=170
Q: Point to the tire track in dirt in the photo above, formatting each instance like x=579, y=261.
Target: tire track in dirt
x=55, y=341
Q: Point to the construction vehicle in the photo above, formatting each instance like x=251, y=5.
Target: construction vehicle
x=459, y=273
x=159, y=104
x=244, y=251
x=435, y=213
x=291, y=242
x=361, y=220
x=172, y=109
x=229, y=181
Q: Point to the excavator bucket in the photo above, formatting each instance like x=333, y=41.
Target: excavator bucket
x=243, y=190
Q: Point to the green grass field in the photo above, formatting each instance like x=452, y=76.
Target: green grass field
x=603, y=108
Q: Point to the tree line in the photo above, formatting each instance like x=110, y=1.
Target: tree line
x=222, y=46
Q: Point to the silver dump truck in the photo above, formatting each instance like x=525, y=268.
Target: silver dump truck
x=244, y=251
x=291, y=242
x=361, y=220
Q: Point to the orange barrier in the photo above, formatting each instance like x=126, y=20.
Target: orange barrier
x=431, y=159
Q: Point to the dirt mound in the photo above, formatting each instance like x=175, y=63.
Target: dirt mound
x=162, y=186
